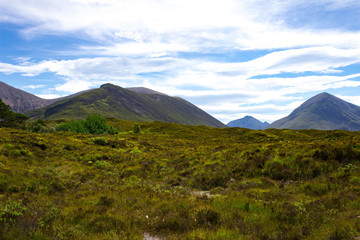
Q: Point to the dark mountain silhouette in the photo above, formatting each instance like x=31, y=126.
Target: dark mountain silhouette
x=324, y=112
x=112, y=101
x=248, y=122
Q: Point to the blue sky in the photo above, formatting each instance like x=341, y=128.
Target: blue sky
x=231, y=58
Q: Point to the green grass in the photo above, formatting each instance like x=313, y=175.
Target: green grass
x=272, y=184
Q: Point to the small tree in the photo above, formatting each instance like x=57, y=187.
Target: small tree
x=10, y=119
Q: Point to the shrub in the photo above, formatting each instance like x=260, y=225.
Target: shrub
x=101, y=164
x=342, y=233
x=94, y=124
x=10, y=119
x=136, y=128
x=104, y=223
x=106, y=201
x=37, y=126
x=72, y=126
x=208, y=217
x=278, y=170
x=11, y=211
x=100, y=141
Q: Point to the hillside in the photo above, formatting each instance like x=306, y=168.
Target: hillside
x=323, y=112
x=112, y=101
x=179, y=182
x=22, y=102
x=248, y=122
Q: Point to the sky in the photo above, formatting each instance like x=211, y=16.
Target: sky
x=231, y=58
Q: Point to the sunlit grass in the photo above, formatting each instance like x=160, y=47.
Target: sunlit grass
x=179, y=182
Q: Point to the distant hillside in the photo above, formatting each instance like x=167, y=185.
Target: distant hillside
x=21, y=101
x=324, y=112
x=248, y=122
x=112, y=101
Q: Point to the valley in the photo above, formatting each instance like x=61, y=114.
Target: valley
x=175, y=181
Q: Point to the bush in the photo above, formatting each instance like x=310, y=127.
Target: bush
x=136, y=128
x=11, y=211
x=342, y=233
x=94, y=124
x=101, y=164
x=100, y=141
x=105, y=201
x=10, y=119
x=73, y=126
x=37, y=126
x=208, y=217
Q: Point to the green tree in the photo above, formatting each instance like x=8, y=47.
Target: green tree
x=10, y=119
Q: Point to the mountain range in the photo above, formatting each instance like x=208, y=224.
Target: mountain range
x=248, y=122
x=323, y=112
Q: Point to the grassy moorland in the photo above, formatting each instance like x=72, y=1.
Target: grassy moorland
x=179, y=182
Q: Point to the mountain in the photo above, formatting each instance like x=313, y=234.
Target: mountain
x=144, y=90
x=248, y=122
x=21, y=101
x=112, y=101
x=324, y=112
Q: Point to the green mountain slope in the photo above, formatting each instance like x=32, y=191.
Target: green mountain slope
x=323, y=112
x=112, y=101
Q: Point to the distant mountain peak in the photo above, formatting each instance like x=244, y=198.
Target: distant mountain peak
x=324, y=112
x=19, y=100
x=248, y=122
x=106, y=85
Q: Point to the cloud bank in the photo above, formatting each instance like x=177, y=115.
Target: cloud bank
x=266, y=53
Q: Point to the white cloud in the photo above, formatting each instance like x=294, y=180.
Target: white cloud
x=48, y=96
x=314, y=59
x=138, y=41
x=352, y=99
x=74, y=85
x=34, y=86
x=132, y=27
x=172, y=74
